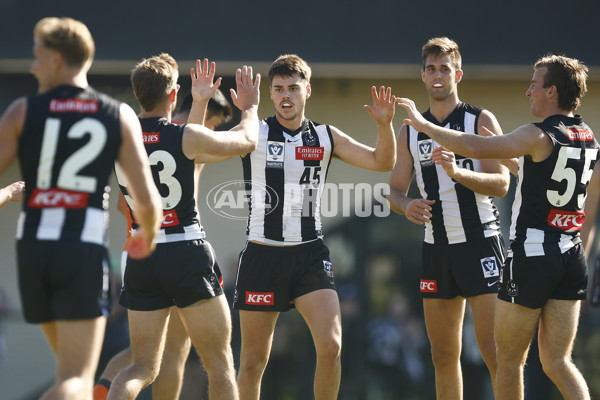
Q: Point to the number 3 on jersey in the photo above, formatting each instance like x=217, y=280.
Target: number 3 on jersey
x=160, y=159
x=311, y=175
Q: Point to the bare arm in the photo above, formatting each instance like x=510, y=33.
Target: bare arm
x=511, y=163
x=147, y=203
x=383, y=156
x=492, y=181
x=243, y=137
x=525, y=140
x=11, y=126
x=588, y=231
x=12, y=192
x=417, y=211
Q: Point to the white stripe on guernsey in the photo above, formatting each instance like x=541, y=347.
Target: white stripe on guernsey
x=20, y=224
x=517, y=201
x=94, y=226
x=51, y=223
x=190, y=232
x=534, y=242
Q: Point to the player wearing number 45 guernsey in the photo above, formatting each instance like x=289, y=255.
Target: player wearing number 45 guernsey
x=545, y=276
x=67, y=139
x=285, y=263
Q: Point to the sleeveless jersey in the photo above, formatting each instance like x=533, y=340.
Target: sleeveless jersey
x=69, y=143
x=459, y=214
x=173, y=175
x=548, y=210
x=285, y=177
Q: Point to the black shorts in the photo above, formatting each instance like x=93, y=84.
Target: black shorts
x=530, y=281
x=462, y=269
x=63, y=280
x=177, y=273
x=270, y=277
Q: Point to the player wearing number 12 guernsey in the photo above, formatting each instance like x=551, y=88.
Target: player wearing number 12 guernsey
x=67, y=139
x=545, y=276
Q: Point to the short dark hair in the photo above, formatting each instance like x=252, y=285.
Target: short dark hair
x=218, y=104
x=569, y=75
x=290, y=65
x=439, y=46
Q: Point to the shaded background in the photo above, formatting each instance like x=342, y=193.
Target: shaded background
x=351, y=46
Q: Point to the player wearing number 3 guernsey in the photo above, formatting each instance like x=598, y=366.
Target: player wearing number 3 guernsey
x=181, y=275
x=68, y=138
x=545, y=277
x=285, y=263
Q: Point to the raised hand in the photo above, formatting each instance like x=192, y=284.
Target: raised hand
x=383, y=107
x=203, y=87
x=248, y=93
x=415, y=119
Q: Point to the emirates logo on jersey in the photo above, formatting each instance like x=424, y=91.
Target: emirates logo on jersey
x=169, y=218
x=566, y=220
x=57, y=198
x=309, y=153
x=73, y=106
x=585, y=135
x=151, y=137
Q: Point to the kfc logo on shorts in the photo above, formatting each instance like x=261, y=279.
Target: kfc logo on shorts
x=490, y=267
x=260, y=299
x=428, y=286
x=566, y=220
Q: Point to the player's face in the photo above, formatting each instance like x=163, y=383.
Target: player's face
x=43, y=66
x=537, y=92
x=440, y=77
x=289, y=96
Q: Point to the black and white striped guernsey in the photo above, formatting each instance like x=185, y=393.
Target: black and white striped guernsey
x=173, y=175
x=548, y=210
x=69, y=143
x=459, y=214
x=285, y=177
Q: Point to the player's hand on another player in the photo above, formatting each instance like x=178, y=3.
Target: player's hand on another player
x=384, y=105
x=415, y=119
x=140, y=244
x=247, y=94
x=203, y=87
x=446, y=159
x=419, y=211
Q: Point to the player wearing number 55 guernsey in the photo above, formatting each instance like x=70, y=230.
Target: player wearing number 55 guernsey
x=545, y=276
x=68, y=138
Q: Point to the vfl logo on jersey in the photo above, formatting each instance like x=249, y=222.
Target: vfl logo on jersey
x=309, y=153
x=169, y=218
x=151, y=137
x=73, y=105
x=490, y=267
x=275, y=153
x=425, y=150
x=584, y=135
x=428, y=286
x=57, y=198
x=566, y=220
x=260, y=299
